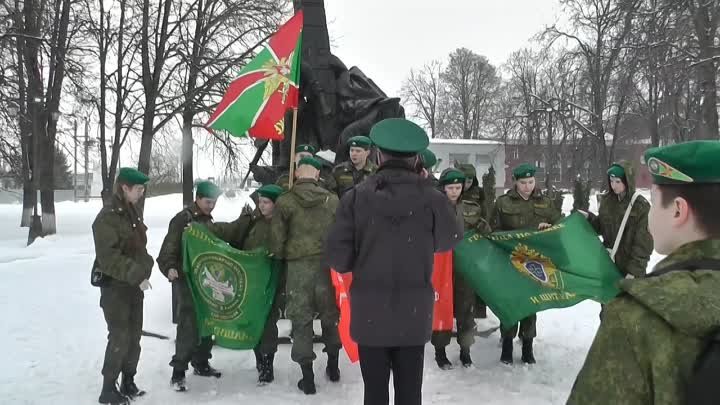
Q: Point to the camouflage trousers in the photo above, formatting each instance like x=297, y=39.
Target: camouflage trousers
x=528, y=329
x=269, y=341
x=309, y=291
x=464, y=311
x=123, y=309
x=189, y=347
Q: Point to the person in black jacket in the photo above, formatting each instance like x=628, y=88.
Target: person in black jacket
x=386, y=231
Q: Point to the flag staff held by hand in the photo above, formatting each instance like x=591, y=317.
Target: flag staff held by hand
x=291, y=180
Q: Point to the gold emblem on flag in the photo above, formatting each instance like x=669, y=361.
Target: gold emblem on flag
x=537, y=266
x=277, y=76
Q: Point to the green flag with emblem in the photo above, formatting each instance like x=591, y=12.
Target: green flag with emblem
x=519, y=273
x=232, y=290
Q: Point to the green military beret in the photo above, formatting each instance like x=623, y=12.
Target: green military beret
x=360, y=142
x=687, y=162
x=616, y=170
x=307, y=160
x=271, y=191
x=467, y=169
x=524, y=171
x=128, y=175
x=429, y=159
x=207, y=189
x=305, y=148
x=452, y=176
x=399, y=135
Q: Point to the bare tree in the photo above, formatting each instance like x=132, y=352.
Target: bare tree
x=423, y=91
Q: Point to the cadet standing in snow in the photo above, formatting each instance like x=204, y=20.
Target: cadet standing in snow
x=635, y=244
x=300, y=222
x=469, y=216
x=385, y=233
x=523, y=207
x=189, y=347
x=122, y=268
x=659, y=341
x=348, y=174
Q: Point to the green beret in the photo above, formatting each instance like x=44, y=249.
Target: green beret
x=687, y=162
x=452, y=176
x=399, y=135
x=307, y=160
x=207, y=189
x=429, y=159
x=360, y=142
x=524, y=171
x=467, y=169
x=128, y=175
x=271, y=191
x=305, y=148
x=616, y=170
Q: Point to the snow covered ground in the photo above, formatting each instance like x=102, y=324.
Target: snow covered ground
x=53, y=335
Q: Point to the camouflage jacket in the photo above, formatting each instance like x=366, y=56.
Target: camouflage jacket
x=474, y=217
x=259, y=234
x=475, y=194
x=301, y=220
x=170, y=256
x=636, y=244
x=651, y=335
x=512, y=212
x=121, y=244
x=327, y=181
x=347, y=176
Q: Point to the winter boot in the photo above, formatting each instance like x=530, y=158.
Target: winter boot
x=307, y=383
x=111, y=395
x=507, y=351
x=527, y=351
x=205, y=370
x=178, y=380
x=441, y=359
x=332, y=370
x=266, y=373
x=128, y=387
x=258, y=359
x=465, y=358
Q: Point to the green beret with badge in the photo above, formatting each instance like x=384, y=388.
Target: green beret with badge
x=207, y=189
x=616, y=170
x=685, y=163
x=133, y=177
x=428, y=158
x=305, y=148
x=360, y=141
x=400, y=136
x=524, y=171
x=271, y=191
x=452, y=176
x=307, y=160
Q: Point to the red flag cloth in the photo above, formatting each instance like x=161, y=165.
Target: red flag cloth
x=442, y=280
x=342, y=287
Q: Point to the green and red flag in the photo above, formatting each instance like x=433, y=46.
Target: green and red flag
x=519, y=273
x=255, y=103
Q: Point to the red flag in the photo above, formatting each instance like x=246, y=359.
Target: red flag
x=342, y=287
x=442, y=280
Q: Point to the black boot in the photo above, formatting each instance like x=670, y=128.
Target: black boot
x=307, y=383
x=128, y=387
x=441, y=359
x=507, y=351
x=332, y=370
x=267, y=372
x=258, y=359
x=111, y=395
x=205, y=370
x=178, y=380
x=465, y=358
x=527, y=351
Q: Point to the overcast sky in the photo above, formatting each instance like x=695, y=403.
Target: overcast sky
x=386, y=38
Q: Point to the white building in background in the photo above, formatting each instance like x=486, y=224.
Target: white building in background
x=480, y=153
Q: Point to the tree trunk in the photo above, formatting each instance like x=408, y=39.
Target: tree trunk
x=187, y=161
x=706, y=31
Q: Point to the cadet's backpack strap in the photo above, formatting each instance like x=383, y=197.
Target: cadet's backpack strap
x=619, y=236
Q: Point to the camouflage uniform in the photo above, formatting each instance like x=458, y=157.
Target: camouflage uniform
x=189, y=347
x=121, y=253
x=469, y=214
x=298, y=229
x=327, y=181
x=475, y=192
x=637, y=244
x=651, y=335
x=346, y=176
x=512, y=212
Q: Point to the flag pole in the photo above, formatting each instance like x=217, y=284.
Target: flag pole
x=292, y=148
